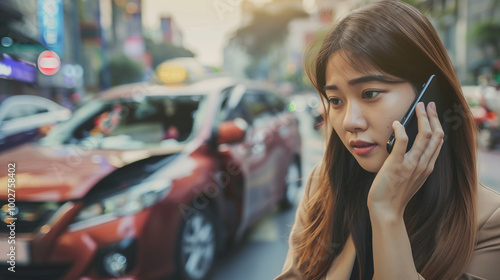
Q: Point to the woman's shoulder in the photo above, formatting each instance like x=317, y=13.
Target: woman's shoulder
x=484, y=261
x=488, y=209
x=315, y=177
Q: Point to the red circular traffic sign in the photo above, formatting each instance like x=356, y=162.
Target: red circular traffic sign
x=49, y=62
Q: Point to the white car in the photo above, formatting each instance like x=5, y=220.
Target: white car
x=21, y=116
x=476, y=98
x=492, y=100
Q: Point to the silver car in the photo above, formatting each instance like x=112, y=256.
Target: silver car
x=21, y=116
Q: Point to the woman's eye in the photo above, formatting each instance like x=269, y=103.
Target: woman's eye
x=369, y=94
x=335, y=101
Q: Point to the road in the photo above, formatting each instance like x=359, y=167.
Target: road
x=262, y=252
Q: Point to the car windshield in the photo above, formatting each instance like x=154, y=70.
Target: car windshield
x=129, y=124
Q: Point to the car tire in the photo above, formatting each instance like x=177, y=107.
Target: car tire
x=293, y=183
x=196, y=246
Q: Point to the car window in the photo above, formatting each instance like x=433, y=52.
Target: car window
x=275, y=103
x=224, y=111
x=225, y=94
x=24, y=110
x=257, y=105
x=239, y=111
x=128, y=124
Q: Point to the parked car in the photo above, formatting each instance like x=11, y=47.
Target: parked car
x=474, y=95
x=21, y=117
x=150, y=180
x=490, y=134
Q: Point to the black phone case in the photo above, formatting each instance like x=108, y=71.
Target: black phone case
x=410, y=121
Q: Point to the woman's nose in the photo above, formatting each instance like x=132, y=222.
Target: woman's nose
x=354, y=119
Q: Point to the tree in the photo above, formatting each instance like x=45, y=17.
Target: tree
x=164, y=50
x=266, y=30
x=419, y=4
x=124, y=70
x=486, y=33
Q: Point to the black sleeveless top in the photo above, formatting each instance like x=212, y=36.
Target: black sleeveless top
x=368, y=273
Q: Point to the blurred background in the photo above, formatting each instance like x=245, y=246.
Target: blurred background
x=110, y=42
x=69, y=52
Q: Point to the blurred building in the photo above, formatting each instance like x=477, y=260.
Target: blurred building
x=284, y=63
x=247, y=9
x=36, y=26
x=461, y=24
x=170, y=31
x=121, y=35
x=304, y=33
x=134, y=43
x=271, y=67
x=458, y=24
x=277, y=6
x=85, y=35
x=19, y=50
x=236, y=59
x=121, y=27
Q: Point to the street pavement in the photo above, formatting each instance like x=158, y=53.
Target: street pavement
x=262, y=252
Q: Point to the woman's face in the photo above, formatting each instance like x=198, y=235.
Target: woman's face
x=363, y=107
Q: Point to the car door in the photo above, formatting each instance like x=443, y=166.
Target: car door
x=285, y=144
x=263, y=155
x=249, y=155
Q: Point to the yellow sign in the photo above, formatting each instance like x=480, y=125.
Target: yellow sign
x=171, y=74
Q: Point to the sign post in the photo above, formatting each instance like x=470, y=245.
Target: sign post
x=49, y=63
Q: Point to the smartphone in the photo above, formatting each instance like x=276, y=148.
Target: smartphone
x=410, y=121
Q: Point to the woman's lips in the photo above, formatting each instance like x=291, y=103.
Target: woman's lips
x=362, y=148
x=361, y=151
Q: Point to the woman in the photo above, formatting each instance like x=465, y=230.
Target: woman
x=368, y=214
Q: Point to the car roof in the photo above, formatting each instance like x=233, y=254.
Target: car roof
x=28, y=99
x=203, y=87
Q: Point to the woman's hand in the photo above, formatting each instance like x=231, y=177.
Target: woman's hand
x=402, y=174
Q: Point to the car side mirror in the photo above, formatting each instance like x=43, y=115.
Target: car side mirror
x=232, y=131
x=44, y=130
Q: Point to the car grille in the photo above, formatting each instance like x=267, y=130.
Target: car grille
x=30, y=215
x=32, y=272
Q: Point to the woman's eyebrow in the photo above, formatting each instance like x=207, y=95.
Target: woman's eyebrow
x=376, y=78
x=330, y=87
x=366, y=79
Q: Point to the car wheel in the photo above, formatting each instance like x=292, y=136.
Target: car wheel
x=197, y=246
x=292, y=179
x=485, y=139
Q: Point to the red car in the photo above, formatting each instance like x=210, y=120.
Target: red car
x=147, y=181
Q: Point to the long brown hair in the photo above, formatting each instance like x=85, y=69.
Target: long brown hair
x=399, y=40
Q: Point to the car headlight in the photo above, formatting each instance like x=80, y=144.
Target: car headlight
x=128, y=202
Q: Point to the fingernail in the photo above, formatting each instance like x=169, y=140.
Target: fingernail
x=433, y=106
x=421, y=106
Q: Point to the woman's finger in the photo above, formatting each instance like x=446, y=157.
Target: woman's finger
x=424, y=133
x=436, y=127
x=437, y=134
x=432, y=161
x=401, y=142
